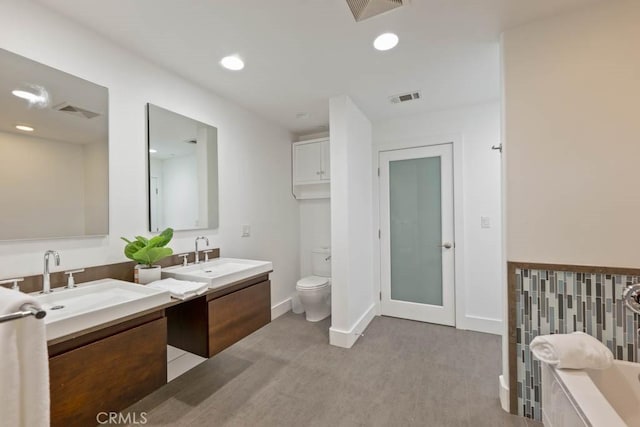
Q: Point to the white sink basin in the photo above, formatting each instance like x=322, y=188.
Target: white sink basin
x=219, y=272
x=95, y=303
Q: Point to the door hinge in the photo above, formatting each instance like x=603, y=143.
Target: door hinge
x=379, y=234
x=380, y=296
x=378, y=171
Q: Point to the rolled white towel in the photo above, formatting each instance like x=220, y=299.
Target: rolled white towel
x=571, y=351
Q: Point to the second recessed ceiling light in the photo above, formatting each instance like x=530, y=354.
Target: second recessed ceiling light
x=385, y=41
x=232, y=62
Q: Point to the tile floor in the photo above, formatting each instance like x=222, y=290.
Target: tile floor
x=400, y=373
x=180, y=361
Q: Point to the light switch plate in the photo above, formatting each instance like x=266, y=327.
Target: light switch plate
x=246, y=231
x=485, y=222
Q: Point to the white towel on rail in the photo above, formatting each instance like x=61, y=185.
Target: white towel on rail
x=180, y=289
x=572, y=351
x=24, y=365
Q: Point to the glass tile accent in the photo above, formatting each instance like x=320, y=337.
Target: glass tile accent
x=551, y=302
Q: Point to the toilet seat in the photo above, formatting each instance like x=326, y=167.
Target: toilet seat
x=312, y=282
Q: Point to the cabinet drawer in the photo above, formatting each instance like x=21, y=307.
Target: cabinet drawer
x=236, y=315
x=108, y=375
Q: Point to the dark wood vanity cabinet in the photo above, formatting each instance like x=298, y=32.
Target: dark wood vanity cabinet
x=112, y=367
x=236, y=315
x=207, y=325
x=109, y=373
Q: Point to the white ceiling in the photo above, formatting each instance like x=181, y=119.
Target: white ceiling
x=299, y=53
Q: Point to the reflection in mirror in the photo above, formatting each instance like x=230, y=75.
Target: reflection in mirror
x=54, y=170
x=183, y=172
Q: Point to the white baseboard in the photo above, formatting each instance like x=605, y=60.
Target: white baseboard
x=280, y=308
x=346, y=339
x=483, y=324
x=504, y=394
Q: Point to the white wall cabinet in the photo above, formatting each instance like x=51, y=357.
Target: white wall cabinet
x=311, y=171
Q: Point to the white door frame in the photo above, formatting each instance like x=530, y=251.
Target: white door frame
x=443, y=314
x=459, y=279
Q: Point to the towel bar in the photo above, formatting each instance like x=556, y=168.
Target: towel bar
x=27, y=310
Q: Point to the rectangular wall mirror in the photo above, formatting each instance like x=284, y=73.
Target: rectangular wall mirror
x=183, y=172
x=54, y=152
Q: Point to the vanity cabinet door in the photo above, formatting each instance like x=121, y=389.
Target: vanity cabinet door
x=107, y=375
x=236, y=315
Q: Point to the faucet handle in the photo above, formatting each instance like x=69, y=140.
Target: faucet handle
x=185, y=257
x=15, y=285
x=206, y=254
x=71, y=283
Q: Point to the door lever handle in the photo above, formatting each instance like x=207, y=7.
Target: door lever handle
x=446, y=245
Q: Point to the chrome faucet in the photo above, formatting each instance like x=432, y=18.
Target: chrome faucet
x=197, y=261
x=631, y=297
x=46, y=280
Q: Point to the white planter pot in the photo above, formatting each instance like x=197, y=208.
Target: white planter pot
x=143, y=274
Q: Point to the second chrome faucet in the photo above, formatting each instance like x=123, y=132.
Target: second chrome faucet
x=197, y=261
x=46, y=278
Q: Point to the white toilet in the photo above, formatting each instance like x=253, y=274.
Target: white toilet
x=315, y=291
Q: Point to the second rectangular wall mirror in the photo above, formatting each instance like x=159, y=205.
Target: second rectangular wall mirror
x=183, y=172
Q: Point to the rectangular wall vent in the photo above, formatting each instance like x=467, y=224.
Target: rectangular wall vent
x=65, y=107
x=364, y=9
x=405, y=97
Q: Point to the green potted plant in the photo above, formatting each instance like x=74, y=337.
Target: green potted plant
x=146, y=252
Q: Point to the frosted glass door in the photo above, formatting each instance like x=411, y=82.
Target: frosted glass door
x=417, y=234
x=416, y=230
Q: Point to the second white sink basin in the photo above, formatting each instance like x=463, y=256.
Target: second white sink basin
x=220, y=271
x=95, y=303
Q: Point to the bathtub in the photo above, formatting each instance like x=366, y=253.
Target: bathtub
x=608, y=398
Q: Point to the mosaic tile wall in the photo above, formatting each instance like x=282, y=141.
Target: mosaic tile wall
x=552, y=302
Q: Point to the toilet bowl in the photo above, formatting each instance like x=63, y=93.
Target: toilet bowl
x=315, y=296
x=314, y=291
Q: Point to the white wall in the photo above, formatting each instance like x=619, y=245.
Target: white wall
x=477, y=128
x=572, y=85
x=254, y=187
x=315, y=229
x=29, y=206
x=351, y=227
x=571, y=91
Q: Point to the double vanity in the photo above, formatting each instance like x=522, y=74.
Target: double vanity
x=107, y=338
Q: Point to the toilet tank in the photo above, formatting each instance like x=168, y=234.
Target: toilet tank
x=320, y=265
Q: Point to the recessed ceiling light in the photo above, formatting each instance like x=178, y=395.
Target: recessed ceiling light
x=151, y=150
x=232, y=63
x=385, y=41
x=29, y=96
x=24, y=128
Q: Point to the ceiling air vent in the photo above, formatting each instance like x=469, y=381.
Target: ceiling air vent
x=405, y=97
x=65, y=107
x=363, y=9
